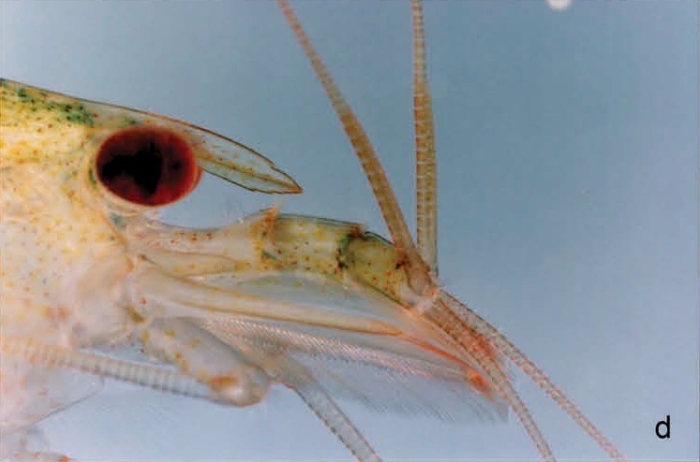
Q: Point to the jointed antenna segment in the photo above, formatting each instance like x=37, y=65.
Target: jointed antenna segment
x=426, y=174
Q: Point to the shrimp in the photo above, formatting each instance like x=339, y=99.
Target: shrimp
x=87, y=264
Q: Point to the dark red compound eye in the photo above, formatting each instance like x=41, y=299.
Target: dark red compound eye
x=147, y=166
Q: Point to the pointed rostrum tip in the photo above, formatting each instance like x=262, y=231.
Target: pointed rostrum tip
x=243, y=166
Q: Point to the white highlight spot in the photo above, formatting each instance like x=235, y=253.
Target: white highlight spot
x=559, y=5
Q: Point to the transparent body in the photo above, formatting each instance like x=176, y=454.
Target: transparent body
x=562, y=228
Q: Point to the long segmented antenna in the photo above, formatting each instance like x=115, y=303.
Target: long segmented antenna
x=478, y=346
x=426, y=179
x=386, y=199
x=517, y=357
x=426, y=175
x=389, y=205
x=453, y=318
x=297, y=377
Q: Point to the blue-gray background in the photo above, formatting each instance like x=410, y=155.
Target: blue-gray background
x=568, y=147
